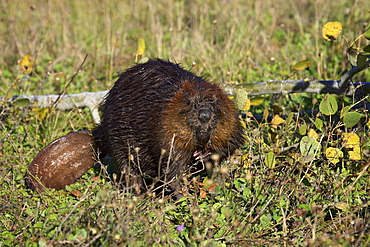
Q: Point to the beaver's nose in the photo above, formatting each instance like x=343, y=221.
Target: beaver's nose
x=204, y=115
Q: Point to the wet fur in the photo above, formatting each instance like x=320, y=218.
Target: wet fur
x=159, y=106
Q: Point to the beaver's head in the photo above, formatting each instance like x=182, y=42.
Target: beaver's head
x=195, y=113
x=201, y=114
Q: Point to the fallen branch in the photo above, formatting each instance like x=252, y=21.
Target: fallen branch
x=91, y=100
x=308, y=86
x=296, y=86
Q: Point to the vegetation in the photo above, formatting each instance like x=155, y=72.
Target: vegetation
x=302, y=177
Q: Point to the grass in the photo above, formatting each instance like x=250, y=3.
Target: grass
x=291, y=200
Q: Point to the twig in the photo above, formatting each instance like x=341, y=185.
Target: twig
x=349, y=74
x=70, y=81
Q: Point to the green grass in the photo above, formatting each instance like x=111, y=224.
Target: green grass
x=296, y=201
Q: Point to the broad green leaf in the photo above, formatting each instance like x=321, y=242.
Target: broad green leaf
x=21, y=102
x=328, y=105
x=309, y=146
x=303, y=129
x=351, y=119
x=240, y=183
x=318, y=123
x=367, y=48
x=270, y=160
x=344, y=111
x=265, y=221
x=361, y=60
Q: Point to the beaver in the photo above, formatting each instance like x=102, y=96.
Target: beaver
x=62, y=162
x=158, y=120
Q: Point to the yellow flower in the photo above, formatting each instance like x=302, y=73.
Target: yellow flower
x=331, y=30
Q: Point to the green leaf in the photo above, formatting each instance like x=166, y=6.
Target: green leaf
x=309, y=146
x=247, y=192
x=328, y=105
x=7, y=235
x=351, y=119
x=303, y=129
x=265, y=221
x=367, y=34
x=288, y=120
x=366, y=49
x=305, y=206
x=21, y=102
x=81, y=234
x=361, y=60
x=39, y=225
x=344, y=111
x=240, y=183
x=318, y=123
x=270, y=160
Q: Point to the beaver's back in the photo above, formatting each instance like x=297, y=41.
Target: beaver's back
x=133, y=108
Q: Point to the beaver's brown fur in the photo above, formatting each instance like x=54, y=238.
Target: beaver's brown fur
x=159, y=119
x=62, y=162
